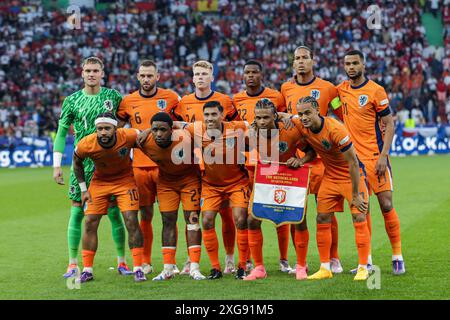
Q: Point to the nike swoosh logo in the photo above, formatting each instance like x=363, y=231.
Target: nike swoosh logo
x=135, y=107
x=188, y=108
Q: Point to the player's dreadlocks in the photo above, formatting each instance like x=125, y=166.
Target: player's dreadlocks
x=267, y=104
x=308, y=99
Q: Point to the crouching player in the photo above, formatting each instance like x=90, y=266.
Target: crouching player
x=109, y=148
x=273, y=135
x=344, y=178
x=178, y=180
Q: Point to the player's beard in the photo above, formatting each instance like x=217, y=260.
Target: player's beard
x=148, y=87
x=355, y=76
x=107, y=143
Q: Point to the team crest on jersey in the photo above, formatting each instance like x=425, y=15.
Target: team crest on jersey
x=315, y=94
x=123, y=152
x=230, y=142
x=161, y=104
x=282, y=146
x=326, y=144
x=362, y=99
x=279, y=196
x=108, y=105
x=72, y=190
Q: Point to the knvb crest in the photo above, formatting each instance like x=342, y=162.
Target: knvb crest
x=326, y=144
x=282, y=146
x=279, y=196
x=362, y=99
x=315, y=94
x=123, y=152
x=108, y=105
x=161, y=104
x=179, y=154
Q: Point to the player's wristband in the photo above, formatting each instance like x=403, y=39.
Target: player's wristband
x=83, y=187
x=57, y=159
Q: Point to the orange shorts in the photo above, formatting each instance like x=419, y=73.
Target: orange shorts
x=124, y=190
x=316, y=176
x=187, y=190
x=332, y=194
x=212, y=196
x=146, y=179
x=376, y=183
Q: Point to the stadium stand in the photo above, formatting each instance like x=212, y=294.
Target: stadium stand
x=40, y=55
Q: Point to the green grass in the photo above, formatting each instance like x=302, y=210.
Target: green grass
x=33, y=254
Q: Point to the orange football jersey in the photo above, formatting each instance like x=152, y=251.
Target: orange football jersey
x=362, y=109
x=285, y=142
x=113, y=163
x=190, y=108
x=222, y=155
x=330, y=142
x=174, y=162
x=245, y=103
x=323, y=91
x=139, y=109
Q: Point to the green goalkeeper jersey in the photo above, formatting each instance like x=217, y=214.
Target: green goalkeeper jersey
x=81, y=110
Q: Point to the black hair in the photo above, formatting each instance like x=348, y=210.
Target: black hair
x=163, y=117
x=309, y=99
x=355, y=52
x=311, y=54
x=253, y=63
x=213, y=104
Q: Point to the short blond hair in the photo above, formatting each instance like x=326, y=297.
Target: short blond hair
x=203, y=64
x=93, y=60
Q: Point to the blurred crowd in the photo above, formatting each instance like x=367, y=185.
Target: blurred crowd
x=41, y=55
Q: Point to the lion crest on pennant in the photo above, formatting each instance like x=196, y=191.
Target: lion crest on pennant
x=279, y=196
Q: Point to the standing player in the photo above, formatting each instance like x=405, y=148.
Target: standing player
x=285, y=142
x=178, y=180
x=224, y=176
x=137, y=109
x=366, y=111
x=342, y=179
x=109, y=149
x=190, y=109
x=304, y=84
x=245, y=102
x=81, y=109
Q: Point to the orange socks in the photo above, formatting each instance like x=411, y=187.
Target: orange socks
x=334, y=238
x=88, y=258
x=242, y=244
x=212, y=247
x=392, y=225
x=362, y=241
x=369, y=223
x=194, y=253
x=283, y=240
x=147, y=234
x=137, y=256
x=301, y=246
x=323, y=238
x=228, y=230
x=255, y=243
x=168, y=255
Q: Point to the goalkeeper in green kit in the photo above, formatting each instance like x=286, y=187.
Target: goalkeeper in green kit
x=81, y=109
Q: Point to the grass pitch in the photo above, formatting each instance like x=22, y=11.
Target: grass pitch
x=34, y=213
